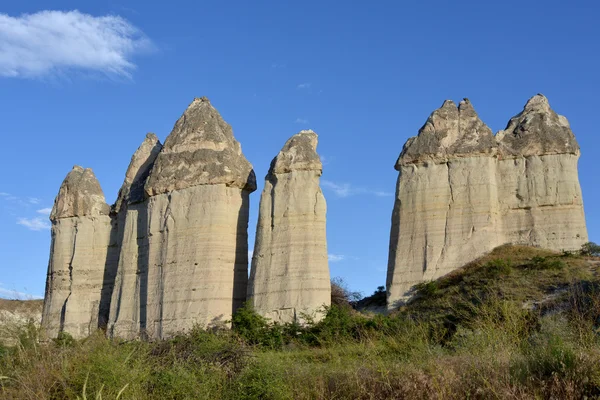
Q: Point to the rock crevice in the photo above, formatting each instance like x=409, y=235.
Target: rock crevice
x=463, y=191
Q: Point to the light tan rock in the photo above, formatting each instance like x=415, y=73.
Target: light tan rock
x=461, y=192
x=127, y=312
x=290, y=273
x=446, y=199
x=81, y=267
x=539, y=192
x=197, y=222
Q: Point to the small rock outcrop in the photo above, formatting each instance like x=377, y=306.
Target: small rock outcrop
x=127, y=313
x=197, y=225
x=290, y=272
x=81, y=267
x=461, y=192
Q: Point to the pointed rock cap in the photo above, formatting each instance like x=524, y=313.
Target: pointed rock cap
x=200, y=150
x=537, y=130
x=79, y=195
x=450, y=131
x=298, y=154
x=132, y=190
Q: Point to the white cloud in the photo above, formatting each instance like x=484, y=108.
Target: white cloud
x=335, y=257
x=45, y=211
x=346, y=189
x=341, y=190
x=55, y=42
x=33, y=200
x=34, y=224
x=4, y=194
x=16, y=295
x=301, y=121
x=306, y=85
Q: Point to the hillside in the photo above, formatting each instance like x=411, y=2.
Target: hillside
x=518, y=323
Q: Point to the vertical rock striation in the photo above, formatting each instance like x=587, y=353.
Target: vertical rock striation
x=128, y=303
x=197, y=225
x=290, y=272
x=461, y=192
x=80, y=270
x=540, y=196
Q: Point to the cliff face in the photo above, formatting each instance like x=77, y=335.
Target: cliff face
x=461, y=192
x=197, y=222
x=128, y=298
x=290, y=272
x=82, y=258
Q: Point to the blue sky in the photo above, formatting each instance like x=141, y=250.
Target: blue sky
x=85, y=88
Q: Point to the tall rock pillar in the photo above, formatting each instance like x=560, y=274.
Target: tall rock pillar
x=81, y=270
x=446, y=210
x=197, y=210
x=128, y=305
x=539, y=193
x=290, y=272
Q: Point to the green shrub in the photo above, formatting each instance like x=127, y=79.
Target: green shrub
x=499, y=267
x=590, y=249
x=548, y=263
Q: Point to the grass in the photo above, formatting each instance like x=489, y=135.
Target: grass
x=518, y=323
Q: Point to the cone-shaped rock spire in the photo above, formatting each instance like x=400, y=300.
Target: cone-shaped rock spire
x=197, y=226
x=449, y=131
x=290, y=272
x=79, y=274
x=201, y=150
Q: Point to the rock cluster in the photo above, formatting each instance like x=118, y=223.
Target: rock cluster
x=289, y=278
x=462, y=191
x=171, y=253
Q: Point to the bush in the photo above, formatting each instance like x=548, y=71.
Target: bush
x=548, y=263
x=341, y=295
x=590, y=249
x=499, y=267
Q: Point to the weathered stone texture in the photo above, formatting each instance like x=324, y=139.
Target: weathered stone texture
x=201, y=150
x=128, y=297
x=461, y=192
x=80, y=269
x=197, y=222
x=290, y=272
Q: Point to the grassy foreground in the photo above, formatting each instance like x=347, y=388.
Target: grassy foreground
x=518, y=323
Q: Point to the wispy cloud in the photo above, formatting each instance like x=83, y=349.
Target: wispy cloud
x=57, y=42
x=335, y=257
x=346, y=189
x=341, y=190
x=250, y=254
x=4, y=194
x=277, y=65
x=16, y=295
x=33, y=200
x=301, y=121
x=45, y=211
x=34, y=224
x=302, y=86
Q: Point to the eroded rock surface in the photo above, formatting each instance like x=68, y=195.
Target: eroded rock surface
x=128, y=298
x=82, y=256
x=197, y=222
x=290, y=272
x=461, y=192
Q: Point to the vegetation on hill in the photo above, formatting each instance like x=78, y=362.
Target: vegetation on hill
x=518, y=323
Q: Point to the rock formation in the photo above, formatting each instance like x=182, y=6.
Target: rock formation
x=290, y=272
x=128, y=306
x=538, y=184
x=81, y=266
x=197, y=222
x=461, y=192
